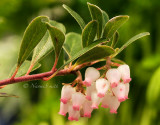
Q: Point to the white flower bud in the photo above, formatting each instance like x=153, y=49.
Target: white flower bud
x=77, y=100
x=102, y=86
x=126, y=90
x=87, y=110
x=113, y=76
x=125, y=73
x=110, y=101
x=63, y=109
x=120, y=92
x=66, y=93
x=89, y=90
x=91, y=75
x=73, y=115
x=95, y=100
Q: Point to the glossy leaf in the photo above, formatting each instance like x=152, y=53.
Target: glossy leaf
x=89, y=33
x=32, y=36
x=105, y=18
x=96, y=14
x=42, y=49
x=131, y=41
x=24, y=68
x=57, y=37
x=82, y=52
x=113, y=25
x=76, y=16
x=115, y=39
x=72, y=44
x=96, y=53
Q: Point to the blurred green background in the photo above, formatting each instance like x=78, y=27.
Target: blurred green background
x=38, y=102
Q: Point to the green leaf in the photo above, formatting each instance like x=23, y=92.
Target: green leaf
x=57, y=37
x=42, y=49
x=96, y=14
x=153, y=90
x=58, y=25
x=24, y=68
x=115, y=39
x=113, y=25
x=105, y=18
x=131, y=41
x=96, y=53
x=89, y=33
x=72, y=44
x=32, y=36
x=83, y=51
x=75, y=16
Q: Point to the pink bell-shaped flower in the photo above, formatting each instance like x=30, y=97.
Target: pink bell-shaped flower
x=89, y=90
x=66, y=93
x=102, y=86
x=87, y=110
x=125, y=73
x=120, y=92
x=77, y=100
x=110, y=101
x=113, y=76
x=95, y=100
x=114, y=104
x=91, y=75
x=126, y=90
x=63, y=109
x=106, y=100
x=73, y=115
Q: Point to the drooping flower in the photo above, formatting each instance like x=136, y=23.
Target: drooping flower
x=91, y=75
x=120, y=92
x=87, y=109
x=95, y=100
x=66, y=93
x=73, y=115
x=63, y=109
x=125, y=73
x=89, y=91
x=102, y=86
x=77, y=100
x=110, y=101
x=113, y=76
x=126, y=90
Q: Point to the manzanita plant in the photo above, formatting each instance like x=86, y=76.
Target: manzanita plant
x=108, y=84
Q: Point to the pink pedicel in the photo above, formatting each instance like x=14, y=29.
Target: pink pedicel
x=63, y=100
x=88, y=98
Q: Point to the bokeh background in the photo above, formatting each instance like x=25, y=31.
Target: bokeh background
x=38, y=102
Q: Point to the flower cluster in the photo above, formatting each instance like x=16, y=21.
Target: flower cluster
x=109, y=91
